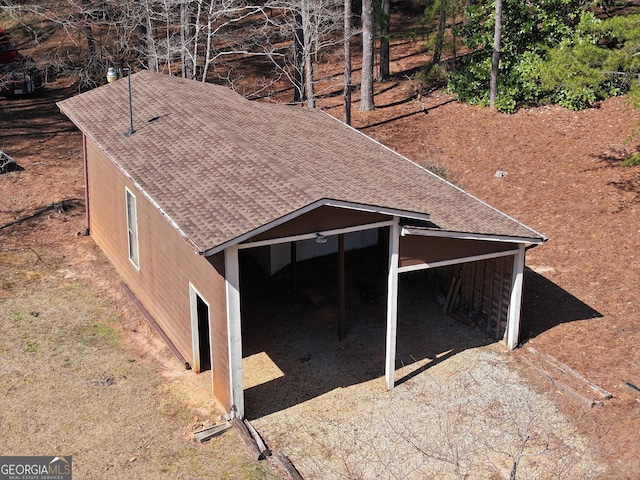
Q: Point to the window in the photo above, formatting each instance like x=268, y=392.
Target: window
x=132, y=228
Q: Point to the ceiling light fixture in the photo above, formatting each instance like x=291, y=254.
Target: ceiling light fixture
x=320, y=238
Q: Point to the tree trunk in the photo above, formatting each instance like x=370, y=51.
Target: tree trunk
x=385, y=22
x=442, y=22
x=298, y=59
x=148, y=36
x=186, y=40
x=88, y=31
x=308, y=57
x=346, y=114
x=495, y=60
x=467, y=4
x=308, y=73
x=366, y=83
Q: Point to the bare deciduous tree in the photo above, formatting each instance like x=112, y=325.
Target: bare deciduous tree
x=190, y=38
x=366, y=82
x=346, y=115
x=184, y=37
x=311, y=24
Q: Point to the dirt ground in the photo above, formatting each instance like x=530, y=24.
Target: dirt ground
x=563, y=178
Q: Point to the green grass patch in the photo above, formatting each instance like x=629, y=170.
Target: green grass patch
x=632, y=161
x=101, y=332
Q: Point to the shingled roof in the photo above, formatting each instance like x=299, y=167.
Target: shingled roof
x=220, y=166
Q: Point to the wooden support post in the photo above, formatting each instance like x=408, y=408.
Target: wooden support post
x=515, y=304
x=294, y=268
x=452, y=287
x=342, y=327
x=392, y=303
x=234, y=330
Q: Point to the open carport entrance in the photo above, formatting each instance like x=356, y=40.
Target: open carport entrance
x=464, y=264
x=291, y=346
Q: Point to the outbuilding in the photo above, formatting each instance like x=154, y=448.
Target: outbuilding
x=207, y=173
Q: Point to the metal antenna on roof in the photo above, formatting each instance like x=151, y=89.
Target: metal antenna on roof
x=112, y=76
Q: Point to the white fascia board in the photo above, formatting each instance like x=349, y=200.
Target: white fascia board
x=382, y=210
x=312, y=206
x=427, y=232
x=456, y=261
x=309, y=236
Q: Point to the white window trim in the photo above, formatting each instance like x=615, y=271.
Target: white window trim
x=135, y=261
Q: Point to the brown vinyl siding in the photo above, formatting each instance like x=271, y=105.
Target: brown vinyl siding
x=321, y=219
x=418, y=249
x=167, y=264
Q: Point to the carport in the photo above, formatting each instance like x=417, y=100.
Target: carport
x=413, y=244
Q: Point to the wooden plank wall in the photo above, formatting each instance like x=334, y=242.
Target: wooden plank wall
x=485, y=293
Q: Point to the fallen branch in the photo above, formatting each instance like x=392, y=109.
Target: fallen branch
x=36, y=254
x=568, y=370
x=462, y=319
x=632, y=386
x=60, y=207
x=561, y=386
x=285, y=464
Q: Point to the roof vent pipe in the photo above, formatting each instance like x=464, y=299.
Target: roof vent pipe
x=112, y=76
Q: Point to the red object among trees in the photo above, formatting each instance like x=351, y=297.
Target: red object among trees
x=8, y=53
x=19, y=75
